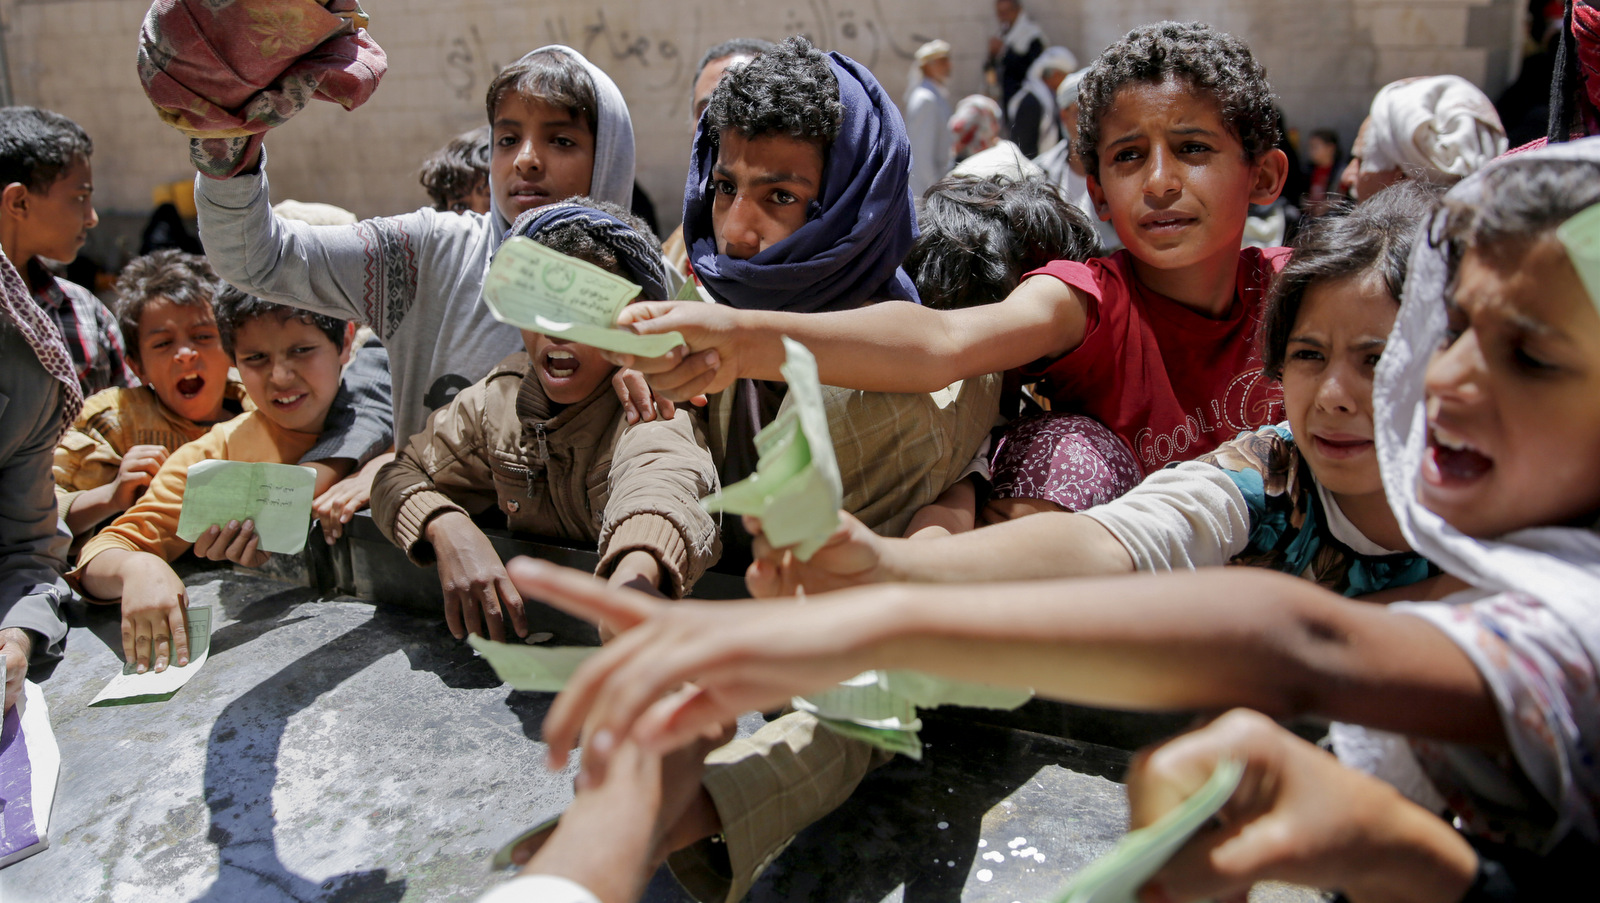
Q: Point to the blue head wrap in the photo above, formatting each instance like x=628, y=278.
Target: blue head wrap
x=858, y=231
x=641, y=262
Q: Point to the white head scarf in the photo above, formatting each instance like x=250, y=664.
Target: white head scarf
x=1022, y=33
x=612, y=179
x=1067, y=93
x=1439, y=129
x=1054, y=59
x=1558, y=566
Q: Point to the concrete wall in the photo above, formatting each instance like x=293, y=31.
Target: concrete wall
x=1326, y=59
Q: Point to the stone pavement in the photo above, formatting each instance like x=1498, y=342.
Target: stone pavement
x=335, y=750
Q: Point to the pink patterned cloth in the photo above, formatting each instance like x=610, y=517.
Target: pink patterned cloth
x=1069, y=459
x=43, y=336
x=223, y=72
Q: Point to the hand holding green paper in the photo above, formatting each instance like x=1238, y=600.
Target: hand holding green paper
x=532, y=287
x=796, y=489
x=277, y=497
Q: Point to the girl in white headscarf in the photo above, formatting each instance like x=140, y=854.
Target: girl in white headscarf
x=1439, y=129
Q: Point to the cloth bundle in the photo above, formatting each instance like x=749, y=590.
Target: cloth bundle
x=224, y=73
x=1440, y=129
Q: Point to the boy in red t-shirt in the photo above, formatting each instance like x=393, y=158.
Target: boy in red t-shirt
x=1177, y=133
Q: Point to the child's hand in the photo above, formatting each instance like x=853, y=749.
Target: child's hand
x=334, y=508
x=477, y=591
x=853, y=555
x=739, y=658
x=234, y=542
x=1297, y=816
x=16, y=646
x=638, y=402
x=707, y=362
x=138, y=468
x=154, y=630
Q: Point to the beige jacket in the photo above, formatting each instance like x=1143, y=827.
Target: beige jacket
x=582, y=474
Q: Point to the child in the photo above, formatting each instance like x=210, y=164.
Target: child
x=119, y=441
x=289, y=361
x=1177, y=132
x=122, y=436
x=457, y=175
x=1490, y=443
x=46, y=213
x=798, y=201
x=560, y=129
x=1303, y=496
x=978, y=237
x=543, y=439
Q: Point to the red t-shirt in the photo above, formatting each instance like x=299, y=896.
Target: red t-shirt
x=1172, y=383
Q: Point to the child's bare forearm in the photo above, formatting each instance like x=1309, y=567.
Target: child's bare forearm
x=105, y=574
x=92, y=506
x=1042, y=547
x=1213, y=639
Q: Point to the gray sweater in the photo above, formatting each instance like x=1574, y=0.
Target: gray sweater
x=31, y=589
x=415, y=279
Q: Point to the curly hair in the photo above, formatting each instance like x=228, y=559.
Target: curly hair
x=1346, y=241
x=979, y=235
x=186, y=280
x=235, y=308
x=789, y=90
x=458, y=169
x=549, y=76
x=36, y=146
x=1210, y=61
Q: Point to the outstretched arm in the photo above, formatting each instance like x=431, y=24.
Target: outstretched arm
x=1213, y=639
x=891, y=346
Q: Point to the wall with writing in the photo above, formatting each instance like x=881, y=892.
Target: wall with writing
x=1326, y=60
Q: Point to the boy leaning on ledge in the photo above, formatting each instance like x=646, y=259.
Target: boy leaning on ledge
x=543, y=438
x=289, y=361
x=115, y=447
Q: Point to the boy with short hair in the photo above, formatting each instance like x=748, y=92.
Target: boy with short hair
x=456, y=176
x=1154, y=342
x=289, y=361
x=115, y=446
x=46, y=213
x=543, y=438
x=560, y=128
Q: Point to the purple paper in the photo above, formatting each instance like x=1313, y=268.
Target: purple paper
x=17, y=828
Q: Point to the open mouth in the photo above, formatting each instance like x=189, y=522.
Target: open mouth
x=289, y=402
x=560, y=364
x=1452, y=461
x=190, y=386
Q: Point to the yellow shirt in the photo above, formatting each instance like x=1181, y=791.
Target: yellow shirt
x=151, y=525
x=115, y=420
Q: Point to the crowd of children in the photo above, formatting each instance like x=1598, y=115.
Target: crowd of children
x=1390, y=423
